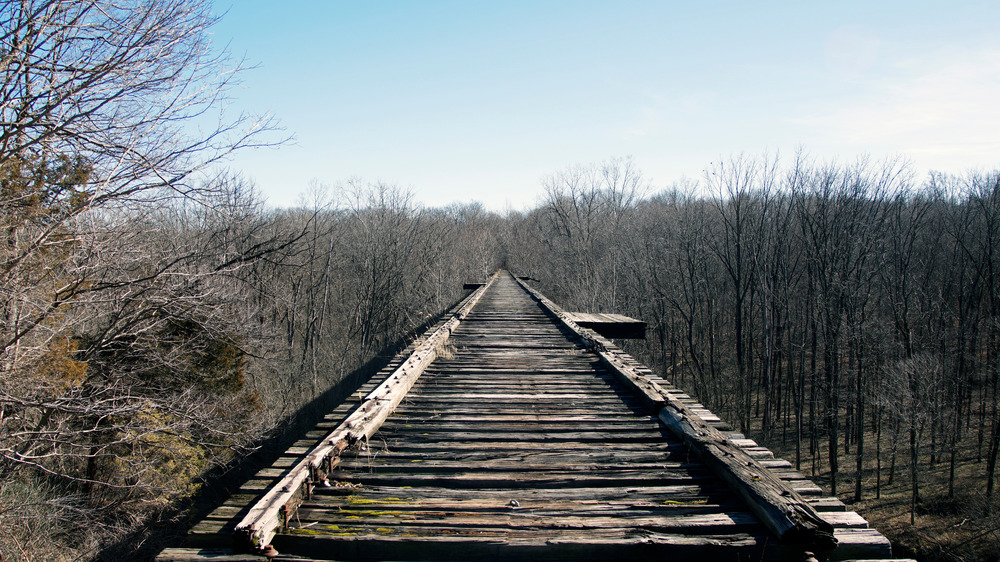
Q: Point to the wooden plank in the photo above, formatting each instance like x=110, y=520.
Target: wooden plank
x=610, y=325
x=524, y=462
x=845, y=519
x=861, y=543
x=206, y=555
x=427, y=523
x=373, y=495
x=822, y=504
x=585, y=545
x=681, y=502
x=523, y=480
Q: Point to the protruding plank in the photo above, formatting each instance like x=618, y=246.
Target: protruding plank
x=610, y=325
x=846, y=519
x=860, y=544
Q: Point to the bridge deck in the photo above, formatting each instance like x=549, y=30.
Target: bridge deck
x=516, y=442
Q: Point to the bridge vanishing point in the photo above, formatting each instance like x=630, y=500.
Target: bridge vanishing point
x=508, y=431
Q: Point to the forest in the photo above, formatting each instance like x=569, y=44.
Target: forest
x=843, y=313
x=159, y=321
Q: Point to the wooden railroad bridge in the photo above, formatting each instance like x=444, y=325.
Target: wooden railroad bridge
x=508, y=431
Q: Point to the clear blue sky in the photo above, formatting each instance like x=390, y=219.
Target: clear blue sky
x=476, y=100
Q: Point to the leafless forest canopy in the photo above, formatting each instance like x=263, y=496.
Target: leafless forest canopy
x=158, y=320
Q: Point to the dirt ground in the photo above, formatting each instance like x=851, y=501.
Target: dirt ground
x=962, y=528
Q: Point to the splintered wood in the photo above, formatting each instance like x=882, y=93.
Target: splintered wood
x=522, y=440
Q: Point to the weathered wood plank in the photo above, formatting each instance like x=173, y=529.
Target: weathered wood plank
x=610, y=325
x=426, y=522
x=514, y=480
x=588, y=545
x=206, y=555
x=712, y=491
x=611, y=505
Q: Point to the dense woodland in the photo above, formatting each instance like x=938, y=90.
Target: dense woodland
x=159, y=321
x=842, y=312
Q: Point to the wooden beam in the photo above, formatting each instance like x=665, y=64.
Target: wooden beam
x=272, y=511
x=780, y=508
x=206, y=555
x=610, y=325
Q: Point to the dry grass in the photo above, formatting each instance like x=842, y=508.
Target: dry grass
x=446, y=351
x=959, y=528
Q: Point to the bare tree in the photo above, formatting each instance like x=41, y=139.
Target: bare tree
x=906, y=389
x=116, y=277
x=101, y=104
x=983, y=197
x=587, y=207
x=744, y=194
